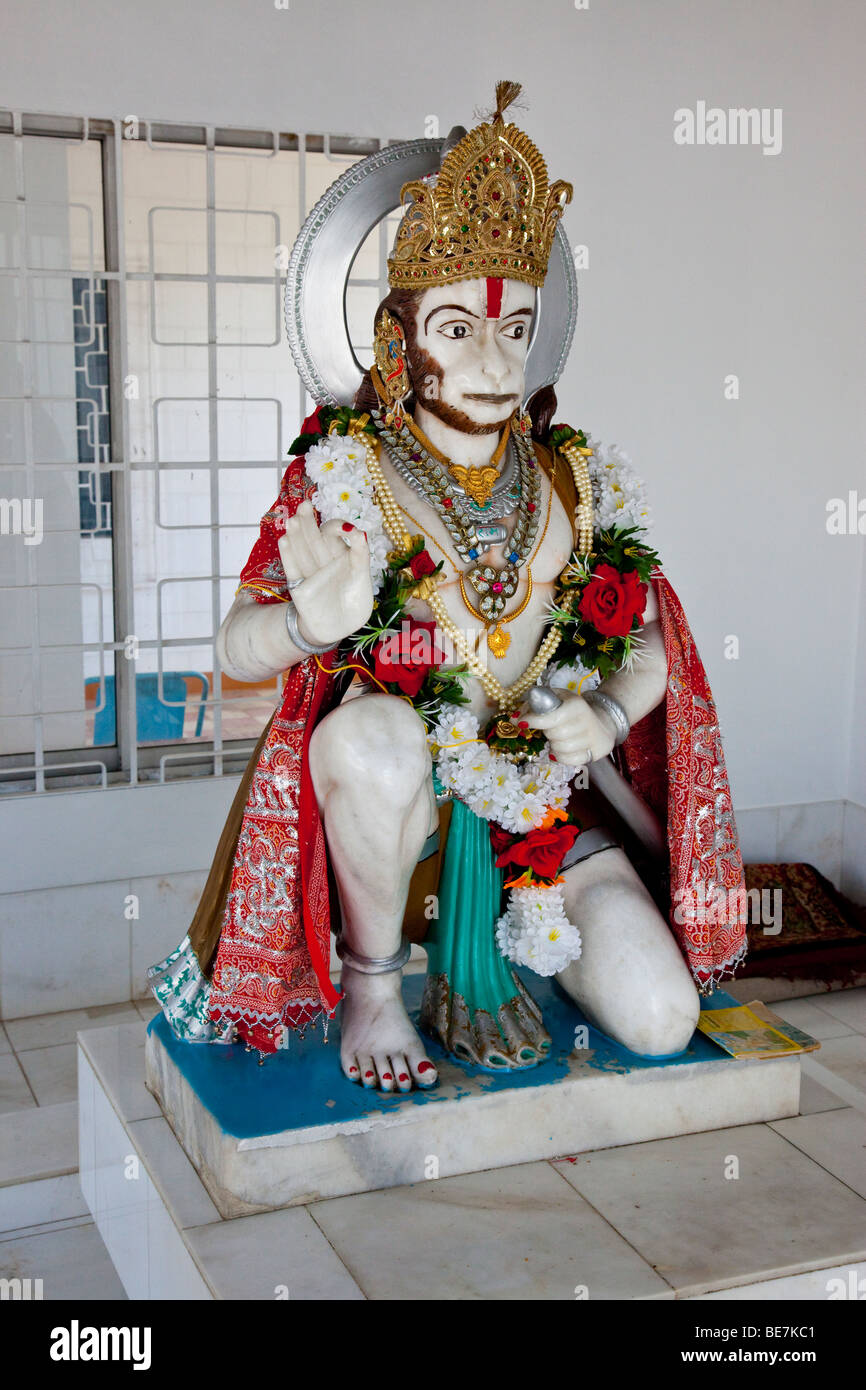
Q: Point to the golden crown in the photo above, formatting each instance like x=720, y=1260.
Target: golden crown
x=490, y=211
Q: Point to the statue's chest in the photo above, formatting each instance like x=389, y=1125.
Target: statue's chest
x=547, y=559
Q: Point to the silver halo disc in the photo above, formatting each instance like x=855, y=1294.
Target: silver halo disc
x=327, y=245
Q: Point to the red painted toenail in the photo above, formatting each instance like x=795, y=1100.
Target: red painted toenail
x=386, y=1076
x=368, y=1073
x=352, y=1071
x=402, y=1077
x=425, y=1066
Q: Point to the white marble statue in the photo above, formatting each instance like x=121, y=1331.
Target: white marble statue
x=443, y=506
x=370, y=759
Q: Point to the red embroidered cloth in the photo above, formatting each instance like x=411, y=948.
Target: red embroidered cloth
x=675, y=762
x=271, y=968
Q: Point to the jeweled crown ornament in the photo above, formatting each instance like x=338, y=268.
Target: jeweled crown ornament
x=490, y=211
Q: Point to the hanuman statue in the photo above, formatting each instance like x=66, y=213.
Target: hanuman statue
x=496, y=736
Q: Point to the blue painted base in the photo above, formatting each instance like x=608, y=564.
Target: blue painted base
x=303, y=1086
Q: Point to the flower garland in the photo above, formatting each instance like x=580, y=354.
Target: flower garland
x=337, y=464
x=517, y=798
x=505, y=772
x=602, y=595
x=522, y=806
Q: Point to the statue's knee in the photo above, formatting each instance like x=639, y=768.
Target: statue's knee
x=634, y=977
x=663, y=1007
x=373, y=738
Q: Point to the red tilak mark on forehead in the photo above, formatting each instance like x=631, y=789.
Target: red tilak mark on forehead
x=494, y=296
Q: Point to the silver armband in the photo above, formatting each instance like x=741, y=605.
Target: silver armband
x=374, y=965
x=614, y=709
x=301, y=642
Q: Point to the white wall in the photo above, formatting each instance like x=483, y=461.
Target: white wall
x=703, y=261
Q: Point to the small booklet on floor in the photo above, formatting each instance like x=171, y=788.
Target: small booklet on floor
x=753, y=1030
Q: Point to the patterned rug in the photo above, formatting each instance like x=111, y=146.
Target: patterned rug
x=822, y=936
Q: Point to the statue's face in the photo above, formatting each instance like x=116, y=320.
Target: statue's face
x=469, y=351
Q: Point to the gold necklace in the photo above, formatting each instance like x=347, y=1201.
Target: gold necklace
x=497, y=640
x=477, y=482
x=506, y=697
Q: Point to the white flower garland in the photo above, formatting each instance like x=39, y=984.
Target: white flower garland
x=534, y=929
x=618, y=493
x=344, y=492
x=518, y=799
x=573, y=676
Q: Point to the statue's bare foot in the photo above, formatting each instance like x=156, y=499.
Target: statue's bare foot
x=379, y=1047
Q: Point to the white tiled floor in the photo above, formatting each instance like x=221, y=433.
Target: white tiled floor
x=51, y=1072
x=15, y=1094
x=709, y=1210
x=653, y=1220
x=46, y=1231
x=522, y=1235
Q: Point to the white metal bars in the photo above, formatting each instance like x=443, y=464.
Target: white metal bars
x=129, y=760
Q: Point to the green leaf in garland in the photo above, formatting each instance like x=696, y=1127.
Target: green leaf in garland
x=303, y=443
x=564, y=434
x=340, y=416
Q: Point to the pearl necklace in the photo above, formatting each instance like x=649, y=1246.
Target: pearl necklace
x=505, y=696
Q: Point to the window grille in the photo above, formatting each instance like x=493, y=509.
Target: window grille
x=147, y=405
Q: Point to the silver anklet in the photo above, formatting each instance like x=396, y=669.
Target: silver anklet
x=301, y=642
x=374, y=965
x=614, y=709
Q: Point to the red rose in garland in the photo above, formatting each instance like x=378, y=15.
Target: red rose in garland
x=421, y=565
x=500, y=839
x=405, y=658
x=612, y=600
x=541, y=850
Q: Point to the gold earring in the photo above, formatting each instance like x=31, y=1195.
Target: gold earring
x=392, y=374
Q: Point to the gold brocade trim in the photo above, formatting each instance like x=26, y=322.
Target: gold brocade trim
x=262, y=589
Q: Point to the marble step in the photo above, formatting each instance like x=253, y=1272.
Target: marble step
x=294, y=1131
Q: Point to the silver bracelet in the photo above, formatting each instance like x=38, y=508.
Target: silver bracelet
x=614, y=709
x=301, y=642
x=374, y=965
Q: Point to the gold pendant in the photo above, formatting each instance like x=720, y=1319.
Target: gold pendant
x=476, y=482
x=498, y=640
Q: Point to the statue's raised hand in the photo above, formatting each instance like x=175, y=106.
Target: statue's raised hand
x=335, y=596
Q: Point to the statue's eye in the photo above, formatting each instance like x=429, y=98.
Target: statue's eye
x=455, y=330
x=515, y=331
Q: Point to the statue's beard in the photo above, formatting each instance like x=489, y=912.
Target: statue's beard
x=427, y=375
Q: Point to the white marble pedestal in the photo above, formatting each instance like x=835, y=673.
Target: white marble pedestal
x=464, y=1128
x=294, y=1131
